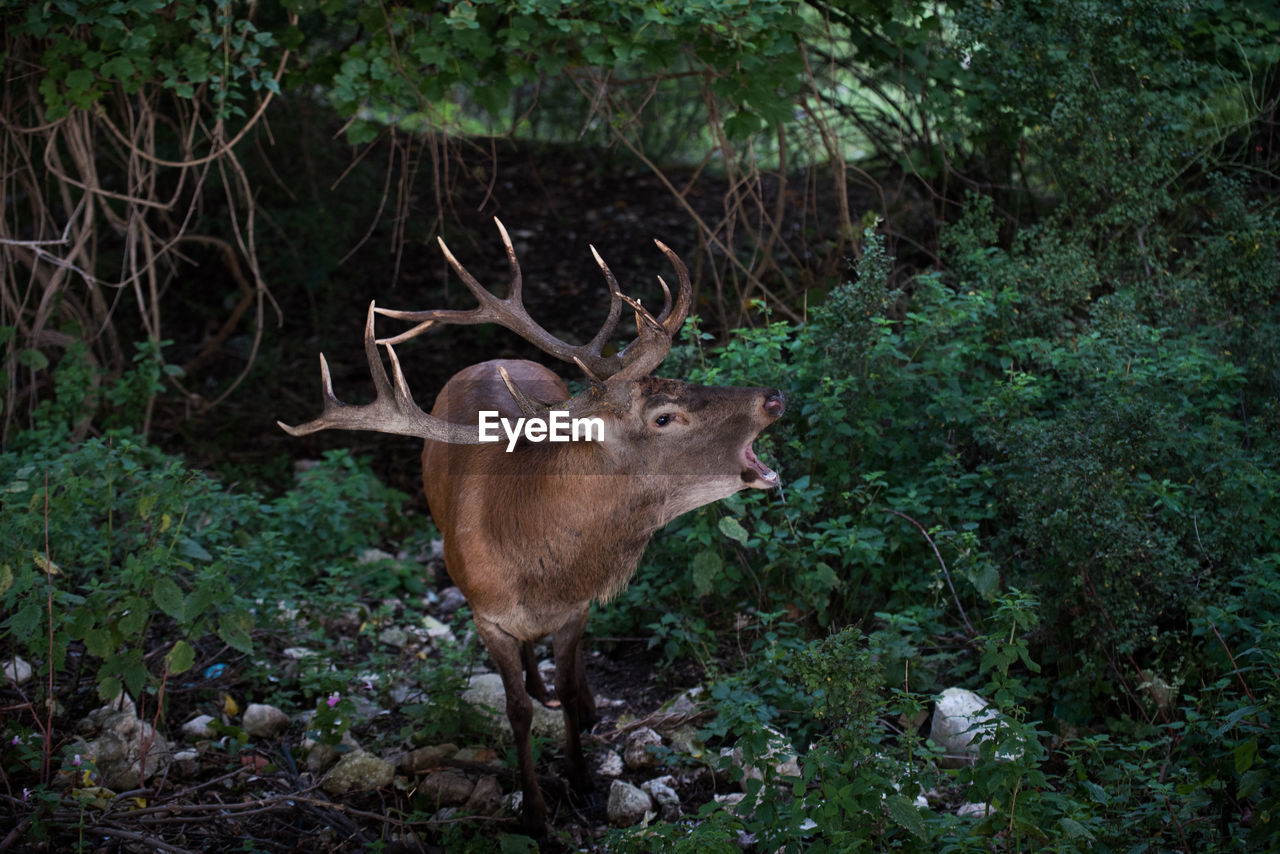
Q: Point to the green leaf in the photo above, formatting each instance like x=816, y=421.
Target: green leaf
x=25, y=623
x=119, y=67
x=515, y=843
x=1252, y=781
x=135, y=618
x=825, y=576
x=180, y=658
x=233, y=629
x=733, y=529
x=743, y=124
x=34, y=359
x=1244, y=754
x=168, y=597
x=109, y=688
x=98, y=642
x=188, y=547
x=6, y=578
x=135, y=676
x=1074, y=829
x=904, y=812
x=79, y=80
x=706, y=566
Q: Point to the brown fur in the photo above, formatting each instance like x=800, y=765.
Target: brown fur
x=534, y=536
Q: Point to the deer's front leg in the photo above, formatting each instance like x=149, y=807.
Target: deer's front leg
x=575, y=698
x=505, y=650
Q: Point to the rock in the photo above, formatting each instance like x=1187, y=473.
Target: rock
x=426, y=758
x=358, y=771
x=17, y=671
x=962, y=721
x=118, y=751
x=662, y=791
x=437, y=630
x=627, y=805
x=446, y=788
x=263, y=721
x=610, y=764
x=198, y=728
x=636, y=754
x=370, y=555
x=394, y=636
x=405, y=695
x=363, y=709
x=186, y=763
x=730, y=800
x=320, y=756
x=477, y=754
x=451, y=599
x=486, y=691
x=684, y=704
x=298, y=653
x=978, y=810
x=486, y=797
x=684, y=739
x=781, y=759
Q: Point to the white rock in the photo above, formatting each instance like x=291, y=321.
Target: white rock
x=198, y=727
x=486, y=691
x=17, y=671
x=979, y=810
x=627, y=805
x=451, y=599
x=394, y=636
x=961, y=722
x=636, y=754
x=437, y=630
x=118, y=751
x=263, y=721
x=610, y=764
x=662, y=790
x=780, y=757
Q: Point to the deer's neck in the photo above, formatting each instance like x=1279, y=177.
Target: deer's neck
x=574, y=520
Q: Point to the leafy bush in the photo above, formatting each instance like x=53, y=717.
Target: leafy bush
x=1013, y=426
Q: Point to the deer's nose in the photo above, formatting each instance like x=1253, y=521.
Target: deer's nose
x=774, y=403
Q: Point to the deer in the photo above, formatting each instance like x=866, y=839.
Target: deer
x=535, y=532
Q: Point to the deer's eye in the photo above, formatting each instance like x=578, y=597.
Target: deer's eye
x=662, y=420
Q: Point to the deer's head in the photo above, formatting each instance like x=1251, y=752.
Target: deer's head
x=665, y=430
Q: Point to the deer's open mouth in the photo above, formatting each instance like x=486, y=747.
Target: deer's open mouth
x=757, y=473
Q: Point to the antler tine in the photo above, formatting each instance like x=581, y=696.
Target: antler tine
x=653, y=335
x=672, y=320
x=666, y=300
x=527, y=404
x=508, y=312
x=517, y=279
x=392, y=411
x=597, y=343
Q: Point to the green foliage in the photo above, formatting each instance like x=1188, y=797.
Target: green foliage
x=407, y=62
x=1095, y=490
x=1110, y=116
x=111, y=544
x=94, y=46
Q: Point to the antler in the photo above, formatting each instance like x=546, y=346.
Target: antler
x=393, y=411
x=641, y=356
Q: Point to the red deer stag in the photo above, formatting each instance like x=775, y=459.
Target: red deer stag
x=535, y=531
